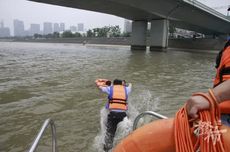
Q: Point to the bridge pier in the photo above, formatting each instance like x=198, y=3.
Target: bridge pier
x=158, y=34
x=138, y=41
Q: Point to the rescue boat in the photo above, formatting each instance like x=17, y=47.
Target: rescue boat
x=157, y=136
x=179, y=134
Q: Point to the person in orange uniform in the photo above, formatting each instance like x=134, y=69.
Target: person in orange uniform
x=223, y=74
x=197, y=103
x=117, y=106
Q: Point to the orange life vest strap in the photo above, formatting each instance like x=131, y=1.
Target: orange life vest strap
x=224, y=74
x=117, y=101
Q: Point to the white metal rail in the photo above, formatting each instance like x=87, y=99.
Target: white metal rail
x=42, y=130
x=157, y=115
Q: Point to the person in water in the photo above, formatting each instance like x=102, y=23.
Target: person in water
x=117, y=106
x=198, y=103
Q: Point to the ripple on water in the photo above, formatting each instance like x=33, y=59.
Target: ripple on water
x=14, y=95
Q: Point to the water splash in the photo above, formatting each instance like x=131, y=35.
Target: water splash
x=145, y=100
x=138, y=103
x=99, y=139
x=124, y=128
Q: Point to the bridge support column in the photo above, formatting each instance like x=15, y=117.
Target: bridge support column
x=138, y=41
x=158, y=34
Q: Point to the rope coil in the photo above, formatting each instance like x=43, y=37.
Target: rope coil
x=208, y=135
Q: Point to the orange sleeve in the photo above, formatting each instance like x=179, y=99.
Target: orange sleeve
x=225, y=61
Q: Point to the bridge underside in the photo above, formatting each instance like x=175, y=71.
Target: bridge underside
x=179, y=13
x=182, y=14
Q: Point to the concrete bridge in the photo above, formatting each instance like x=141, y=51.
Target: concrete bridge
x=186, y=14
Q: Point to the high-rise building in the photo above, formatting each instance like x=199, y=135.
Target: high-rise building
x=4, y=31
x=128, y=26
x=19, y=28
x=57, y=27
x=47, y=28
x=34, y=29
x=1, y=24
x=73, y=28
x=62, y=27
x=80, y=27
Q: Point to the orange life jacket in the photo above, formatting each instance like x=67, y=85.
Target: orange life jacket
x=118, y=98
x=223, y=74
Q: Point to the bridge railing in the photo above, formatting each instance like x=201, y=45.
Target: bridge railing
x=207, y=9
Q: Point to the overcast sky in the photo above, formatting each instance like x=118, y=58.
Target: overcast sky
x=32, y=12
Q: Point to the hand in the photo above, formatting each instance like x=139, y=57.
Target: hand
x=195, y=104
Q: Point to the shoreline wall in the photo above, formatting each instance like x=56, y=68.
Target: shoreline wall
x=202, y=44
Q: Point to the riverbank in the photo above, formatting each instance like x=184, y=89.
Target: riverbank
x=200, y=44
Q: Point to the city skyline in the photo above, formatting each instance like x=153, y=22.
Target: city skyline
x=44, y=28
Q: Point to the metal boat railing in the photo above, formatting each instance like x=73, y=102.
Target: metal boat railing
x=43, y=128
x=157, y=115
x=53, y=129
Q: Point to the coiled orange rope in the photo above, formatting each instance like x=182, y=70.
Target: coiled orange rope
x=199, y=136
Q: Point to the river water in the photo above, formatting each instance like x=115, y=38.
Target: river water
x=45, y=80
